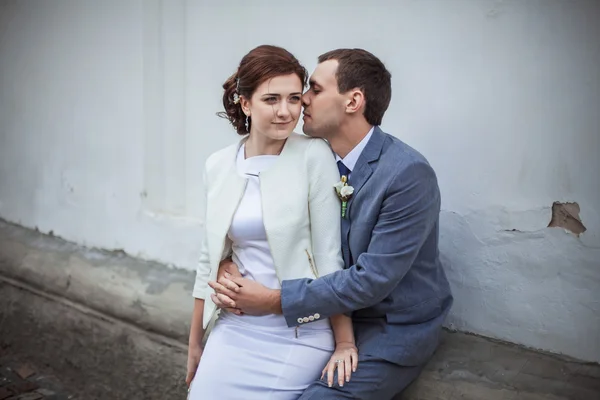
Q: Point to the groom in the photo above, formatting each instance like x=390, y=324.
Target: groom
x=393, y=283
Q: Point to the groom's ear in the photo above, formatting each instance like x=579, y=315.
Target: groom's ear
x=355, y=101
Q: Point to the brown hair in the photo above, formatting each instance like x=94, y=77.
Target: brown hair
x=260, y=64
x=357, y=68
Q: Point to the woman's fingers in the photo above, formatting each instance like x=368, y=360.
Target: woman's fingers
x=348, y=367
x=341, y=371
x=345, y=365
x=330, y=373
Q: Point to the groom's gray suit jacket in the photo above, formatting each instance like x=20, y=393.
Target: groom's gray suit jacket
x=393, y=285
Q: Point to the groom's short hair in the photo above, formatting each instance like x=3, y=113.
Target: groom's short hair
x=357, y=68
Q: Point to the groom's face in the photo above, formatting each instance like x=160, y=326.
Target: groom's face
x=323, y=103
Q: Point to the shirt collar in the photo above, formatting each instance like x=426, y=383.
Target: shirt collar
x=352, y=157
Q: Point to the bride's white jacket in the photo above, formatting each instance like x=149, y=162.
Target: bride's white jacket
x=301, y=213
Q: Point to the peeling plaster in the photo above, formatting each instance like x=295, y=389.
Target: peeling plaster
x=566, y=216
x=530, y=284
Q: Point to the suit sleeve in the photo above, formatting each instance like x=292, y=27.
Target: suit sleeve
x=201, y=288
x=324, y=208
x=408, y=213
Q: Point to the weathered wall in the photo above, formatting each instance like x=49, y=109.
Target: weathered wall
x=107, y=113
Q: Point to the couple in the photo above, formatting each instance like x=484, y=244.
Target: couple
x=307, y=312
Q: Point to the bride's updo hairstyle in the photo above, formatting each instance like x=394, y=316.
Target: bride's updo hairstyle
x=260, y=64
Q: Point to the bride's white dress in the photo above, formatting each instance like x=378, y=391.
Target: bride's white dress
x=250, y=357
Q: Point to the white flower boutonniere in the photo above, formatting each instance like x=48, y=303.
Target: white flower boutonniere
x=344, y=192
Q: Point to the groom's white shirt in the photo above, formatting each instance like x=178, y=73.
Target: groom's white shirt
x=352, y=158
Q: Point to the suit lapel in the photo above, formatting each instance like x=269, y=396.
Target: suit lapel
x=359, y=176
x=362, y=170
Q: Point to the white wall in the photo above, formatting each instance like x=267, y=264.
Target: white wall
x=87, y=107
x=107, y=112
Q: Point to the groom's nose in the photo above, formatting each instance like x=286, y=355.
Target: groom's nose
x=305, y=100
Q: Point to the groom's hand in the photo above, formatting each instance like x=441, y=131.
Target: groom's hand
x=250, y=297
x=226, y=266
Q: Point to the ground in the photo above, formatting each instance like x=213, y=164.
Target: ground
x=54, y=349
x=20, y=380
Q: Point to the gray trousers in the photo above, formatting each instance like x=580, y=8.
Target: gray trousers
x=374, y=379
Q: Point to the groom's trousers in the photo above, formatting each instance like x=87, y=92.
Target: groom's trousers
x=374, y=379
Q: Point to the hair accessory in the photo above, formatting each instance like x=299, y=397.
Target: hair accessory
x=236, y=96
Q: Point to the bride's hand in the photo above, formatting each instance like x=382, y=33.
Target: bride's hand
x=345, y=359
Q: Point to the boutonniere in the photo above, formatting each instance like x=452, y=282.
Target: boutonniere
x=344, y=192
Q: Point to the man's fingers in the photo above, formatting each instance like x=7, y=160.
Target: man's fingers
x=217, y=301
x=229, y=284
x=222, y=301
x=226, y=300
x=222, y=289
x=235, y=311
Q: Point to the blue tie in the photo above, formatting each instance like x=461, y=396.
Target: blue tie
x=343, y=169
x=345, y=245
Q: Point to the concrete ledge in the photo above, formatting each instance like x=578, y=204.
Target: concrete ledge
x=98, y=357
x=147, y=294
x=93, y=356
x=112, y=326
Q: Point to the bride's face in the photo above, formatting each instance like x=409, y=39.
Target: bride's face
x=275, y=106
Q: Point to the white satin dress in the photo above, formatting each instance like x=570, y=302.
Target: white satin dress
x=260, y=358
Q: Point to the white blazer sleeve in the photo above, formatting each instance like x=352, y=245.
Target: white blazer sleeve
x=203, y=268
x=324, y=207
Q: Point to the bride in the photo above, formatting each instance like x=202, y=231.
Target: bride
x=270, y=206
